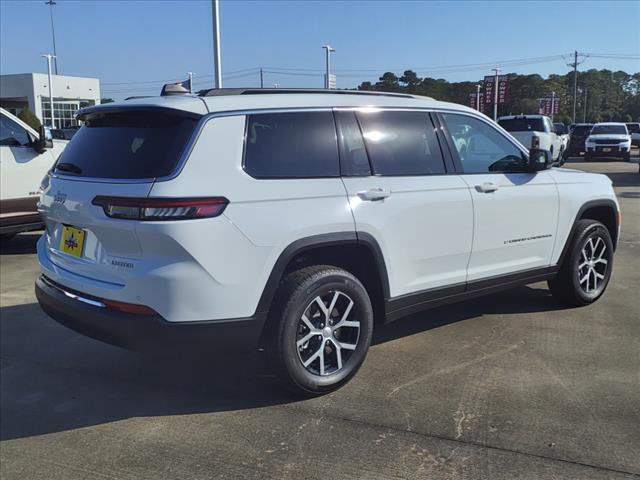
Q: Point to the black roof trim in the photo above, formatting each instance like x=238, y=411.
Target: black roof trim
x=215, y=92
x=87, y=112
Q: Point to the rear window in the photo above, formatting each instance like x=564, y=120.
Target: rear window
x=609, y=130
x=291, y=145
x=581, y=130
x=522, y=124
x=131, y=145
x=633, y=127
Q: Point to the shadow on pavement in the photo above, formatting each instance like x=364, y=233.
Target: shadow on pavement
x=55, y=380
x=21, y=244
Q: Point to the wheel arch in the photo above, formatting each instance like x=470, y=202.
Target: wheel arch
x=604, y=211
x=358, y=253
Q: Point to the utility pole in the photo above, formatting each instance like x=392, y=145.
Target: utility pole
x=575, y=83
x=217, y=65
x=329, y=49
x=261, y=78
x=553, y=104
x=51, y=3
x=478, y=97
x=584, y=113
x=48, y=56
x=495, y=95
x=190, y=81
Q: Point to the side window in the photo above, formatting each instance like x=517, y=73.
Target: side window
x=401, y=143
x=481, y=148
x=291, y=145
x=354, y=160
x=11, y=133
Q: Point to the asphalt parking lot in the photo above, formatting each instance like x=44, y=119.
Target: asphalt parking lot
x=504, y=387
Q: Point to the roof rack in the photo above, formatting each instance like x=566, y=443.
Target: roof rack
x=215, y=92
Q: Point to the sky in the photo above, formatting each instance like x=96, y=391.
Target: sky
x=134, y=47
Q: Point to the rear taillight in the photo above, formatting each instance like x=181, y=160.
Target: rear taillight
x=535, y=142
x=161, y=208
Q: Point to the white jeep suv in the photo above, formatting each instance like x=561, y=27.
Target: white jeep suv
x=296, y=221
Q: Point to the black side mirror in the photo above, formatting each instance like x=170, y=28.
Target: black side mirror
x=539, y=159
x=44, y=140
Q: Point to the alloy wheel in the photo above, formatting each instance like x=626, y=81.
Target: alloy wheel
x=327, y=333
x=593, y=265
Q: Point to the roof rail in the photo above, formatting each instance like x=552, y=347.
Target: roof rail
x=215, y=92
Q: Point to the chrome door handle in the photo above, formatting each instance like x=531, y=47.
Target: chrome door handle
x=374, y=194
x=487, y=187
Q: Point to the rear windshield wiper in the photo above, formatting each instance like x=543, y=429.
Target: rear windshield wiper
x=69, y=167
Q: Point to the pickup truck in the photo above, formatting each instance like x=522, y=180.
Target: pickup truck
x=535, y=131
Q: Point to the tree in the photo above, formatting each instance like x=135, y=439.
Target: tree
x=609, y=95
x=28, y=117
x=106, y=100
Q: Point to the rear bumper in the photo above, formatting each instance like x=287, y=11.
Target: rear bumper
x=144, y=332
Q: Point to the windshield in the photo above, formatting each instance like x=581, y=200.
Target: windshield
x=522, y=124
x=131, y=145
x=581, y=130
x=609, y=130
x=633, y=127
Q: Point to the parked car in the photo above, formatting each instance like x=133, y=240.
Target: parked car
x=25, y=158
x=563, y=132
x=608, y=139
x=634, y=131
x=535, y=131
x=297, y=221
x=577, y=136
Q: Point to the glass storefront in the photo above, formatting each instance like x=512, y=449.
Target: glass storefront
x=64, y=111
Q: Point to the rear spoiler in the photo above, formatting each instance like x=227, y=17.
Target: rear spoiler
x=88, y=112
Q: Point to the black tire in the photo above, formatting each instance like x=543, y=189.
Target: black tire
x=627, y=157
x=296, y=297
x=569, y=287
x=587, y=157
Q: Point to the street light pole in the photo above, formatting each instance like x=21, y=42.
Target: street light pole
x=584, y=113
x=478, y=97
x=553, y=104
x=190, y=81
x=328, y=49
x=51, y=3
x=495, y=95
x=48, y=56
x=217, y=65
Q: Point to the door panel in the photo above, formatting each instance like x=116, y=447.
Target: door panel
x=515, y=211
x=515, y=224
x=400, y=194
x=424, y=228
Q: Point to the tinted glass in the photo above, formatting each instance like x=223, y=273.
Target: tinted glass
x=353, y=155
x=560, y=128
x=481, y=148
x=401, y=143
x=633, y=127
x=11, y=133
x=291, y=145
x=609, y=130
x=581, y=130
x=522, y=124
x=128, y=145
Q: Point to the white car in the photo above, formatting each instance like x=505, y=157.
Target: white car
x=297, y=221
x=634, y=131
x=535, y=131
x=608, y=139
x=25, y=158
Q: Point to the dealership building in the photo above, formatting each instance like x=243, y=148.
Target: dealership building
x=31, y=90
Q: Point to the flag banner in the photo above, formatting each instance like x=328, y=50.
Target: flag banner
x=503, y=89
